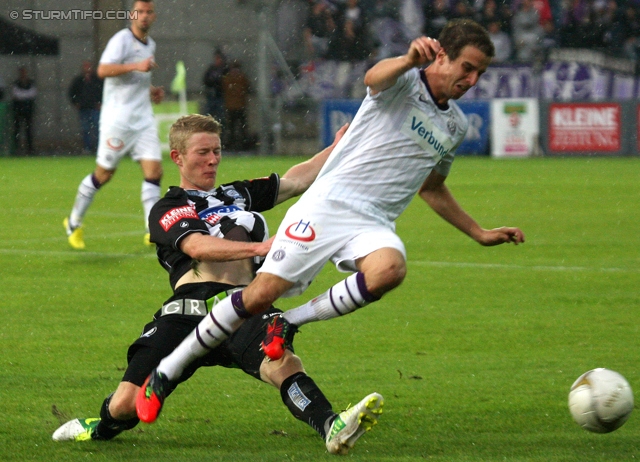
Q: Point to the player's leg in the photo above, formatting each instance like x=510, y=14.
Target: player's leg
x=112, y=146
x=118, y=410
x=223, y=319
x=87, y=189
x=300, y=394
x=147, y=152
x=307, y=403
x=378, y=257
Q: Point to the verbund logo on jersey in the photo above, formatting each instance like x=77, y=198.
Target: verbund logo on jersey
x=175, y=215
x=300, y=231
x=424, y=132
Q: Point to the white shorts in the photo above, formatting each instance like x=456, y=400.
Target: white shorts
x=312, y=234
x=115, y=143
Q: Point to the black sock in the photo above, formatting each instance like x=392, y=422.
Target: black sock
x=109, y=427
x=306, y=402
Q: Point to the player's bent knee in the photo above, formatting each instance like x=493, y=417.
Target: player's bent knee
x=275, y=372
x=122, y=405
x=122, y=409
x=384, y=279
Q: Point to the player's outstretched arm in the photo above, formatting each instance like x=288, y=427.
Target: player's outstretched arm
x=204, y=247
x=299, y=177
x=435, y=193
x=385, y=73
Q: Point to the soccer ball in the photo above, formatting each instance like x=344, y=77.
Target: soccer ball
x=600, y=400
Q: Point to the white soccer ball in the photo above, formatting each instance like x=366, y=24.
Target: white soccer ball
x=600, y=400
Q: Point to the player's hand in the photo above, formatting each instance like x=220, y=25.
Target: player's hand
x=147, y=65
x=264, y=247
x=339, y=134
x=503, y=235
x=157, y=94
x=423, y=50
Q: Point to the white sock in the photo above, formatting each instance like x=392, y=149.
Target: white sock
x=343, y=298
x=214, y=328
x=149, y=195
x=84, y=197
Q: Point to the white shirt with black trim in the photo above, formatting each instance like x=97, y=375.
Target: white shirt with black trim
x=126, y=102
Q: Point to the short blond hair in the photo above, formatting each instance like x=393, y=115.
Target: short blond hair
x=185, y=126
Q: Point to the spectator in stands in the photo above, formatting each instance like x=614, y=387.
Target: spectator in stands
x=462, y=10
x=355, y=33
x=23, y=96
x=612, y=22
x=527, y=33
x=549, y=38
x=437, y=14
x=544, y=11
x=85, y=93
x=501, y=41
x=632, y=23
x=412, y=18
x=385, y=28
x=235, y=88
x=212, y=81
x=576, y=25
x=319, y=29
x=491, y=12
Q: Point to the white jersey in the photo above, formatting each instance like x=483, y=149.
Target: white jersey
x=397, y=137
x=126, y=102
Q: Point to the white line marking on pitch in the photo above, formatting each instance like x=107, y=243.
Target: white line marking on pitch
x=521, y=267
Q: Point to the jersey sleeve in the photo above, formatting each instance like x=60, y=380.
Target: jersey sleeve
x=404, y=82
x=260, y=193
x=172, y=218
x=114, y=52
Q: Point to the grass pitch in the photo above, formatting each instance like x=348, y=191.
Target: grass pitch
x=474, y=353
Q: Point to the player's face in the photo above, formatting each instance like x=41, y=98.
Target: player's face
x=464, y=72
x=199, y=164
x=144, y=14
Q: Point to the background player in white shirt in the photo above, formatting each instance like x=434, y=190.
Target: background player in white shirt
x=400, y=143
x=127, y=124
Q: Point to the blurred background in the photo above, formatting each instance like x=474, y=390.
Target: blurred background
x=564, y=80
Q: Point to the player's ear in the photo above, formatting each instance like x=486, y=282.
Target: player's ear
x=176, y=157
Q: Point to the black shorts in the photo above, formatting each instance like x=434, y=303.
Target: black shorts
x=161, y=336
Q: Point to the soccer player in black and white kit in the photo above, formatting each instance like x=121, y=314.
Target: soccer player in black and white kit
x=127, y=123
x=401, y=143
x=207, y=239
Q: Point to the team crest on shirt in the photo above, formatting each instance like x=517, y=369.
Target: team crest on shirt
x=279, y=255
x=232, y=193
x=115, y=143
x=451, y=125
x=300, y=231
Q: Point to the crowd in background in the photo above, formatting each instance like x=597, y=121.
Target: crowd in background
x=522, y=30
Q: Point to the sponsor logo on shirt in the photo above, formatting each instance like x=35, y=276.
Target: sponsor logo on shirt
x=421, y=129
x=301, y=231
x=175, y=215
x=212, y=215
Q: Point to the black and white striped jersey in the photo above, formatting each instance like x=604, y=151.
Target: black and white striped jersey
x=182, y=212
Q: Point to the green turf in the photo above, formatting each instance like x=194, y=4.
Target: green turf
x=474, y=353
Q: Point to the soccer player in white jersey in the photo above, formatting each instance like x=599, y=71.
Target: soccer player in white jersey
x=401, y=142
x=127, y=124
